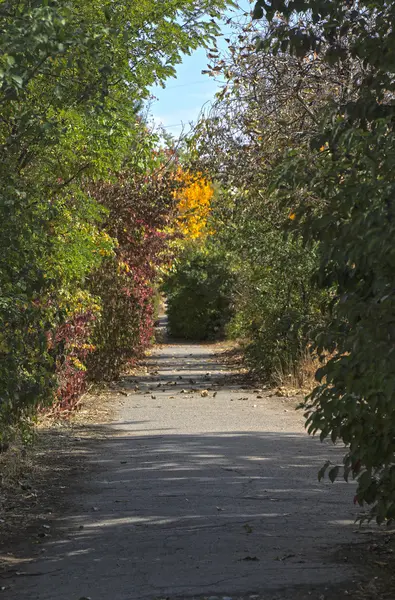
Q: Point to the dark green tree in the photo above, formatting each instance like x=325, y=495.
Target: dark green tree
x=342, y=190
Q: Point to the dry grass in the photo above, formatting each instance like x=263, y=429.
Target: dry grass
x=294, y=380
x=33, y=475
x=297, y=379
x=14, y=463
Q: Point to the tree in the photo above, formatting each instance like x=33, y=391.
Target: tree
x=345, y=187
x=194, y=202
x=268, y=104
x=73, y=75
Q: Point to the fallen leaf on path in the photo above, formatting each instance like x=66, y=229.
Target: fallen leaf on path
x=285, y=556
x=252, y=558
x=153, y=397
x=204, y=393
x=248, y=528
x=380, y=563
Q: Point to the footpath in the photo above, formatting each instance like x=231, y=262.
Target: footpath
x=200, y=488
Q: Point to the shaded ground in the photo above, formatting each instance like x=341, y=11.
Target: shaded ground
x=198, y=488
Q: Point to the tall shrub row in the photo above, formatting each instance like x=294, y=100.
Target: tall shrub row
x=73, y=77
x=276, y=305
x=141, y=211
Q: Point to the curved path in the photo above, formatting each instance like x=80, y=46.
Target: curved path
x=201, y=489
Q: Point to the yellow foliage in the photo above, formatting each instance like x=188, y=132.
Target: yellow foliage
x=194, y=203
x=123, y=267
x=77, y=363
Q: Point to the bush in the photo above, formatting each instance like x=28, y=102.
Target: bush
x=70, y=103
x=140, y=209
x=276, y=306
x=199, y=294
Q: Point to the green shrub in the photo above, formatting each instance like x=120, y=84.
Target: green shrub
x=342, y=197
x=276, y=305
x=199, y=294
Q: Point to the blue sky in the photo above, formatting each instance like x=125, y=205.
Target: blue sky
x=184, y=96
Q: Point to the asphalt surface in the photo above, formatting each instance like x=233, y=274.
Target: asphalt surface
x=202, y=489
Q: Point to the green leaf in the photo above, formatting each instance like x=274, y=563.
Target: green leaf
x=18, y=80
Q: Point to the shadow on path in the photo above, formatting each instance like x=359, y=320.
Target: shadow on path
x=170, y=515
x=189, y=496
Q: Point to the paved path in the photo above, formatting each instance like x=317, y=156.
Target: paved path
x=197, y=495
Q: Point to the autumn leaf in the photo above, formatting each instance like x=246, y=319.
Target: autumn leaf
x=194, y=204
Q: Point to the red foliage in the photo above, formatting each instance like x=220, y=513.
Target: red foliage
x=71, y=341
x=140, y=209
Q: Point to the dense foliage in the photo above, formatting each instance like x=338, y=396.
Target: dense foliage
x=73, y=75
x=198, y=291
x=341, y=188
x=257, y=115
x=140, y=210
x=193, y=204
